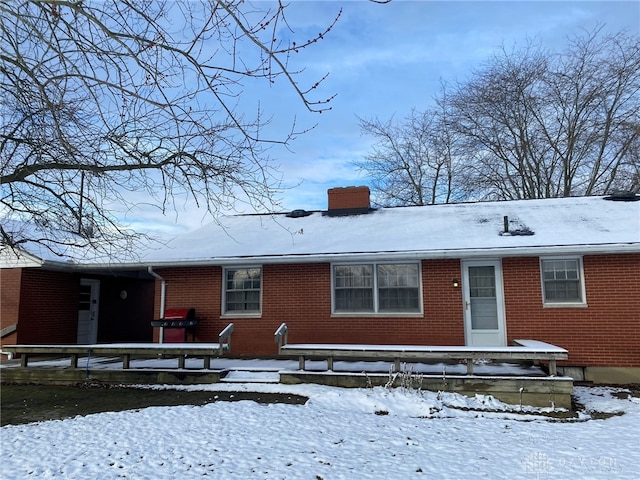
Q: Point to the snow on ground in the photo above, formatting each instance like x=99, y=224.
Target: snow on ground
x=339, y=434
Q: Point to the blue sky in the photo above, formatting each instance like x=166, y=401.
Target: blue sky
x=384, y=60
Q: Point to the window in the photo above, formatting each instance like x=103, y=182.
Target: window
x=353, y=287
x=242, y=289
x=376, y=288
x=562, y=281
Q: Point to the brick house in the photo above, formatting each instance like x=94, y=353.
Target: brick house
x=563, y=271
x=48, y=301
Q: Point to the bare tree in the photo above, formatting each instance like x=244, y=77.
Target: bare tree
x=413, y=161
x=100, y=100
x=594, y=95
x=546, y=125
x=493, y=113
x=528, y=123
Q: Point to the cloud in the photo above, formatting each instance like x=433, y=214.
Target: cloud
x=382, y=61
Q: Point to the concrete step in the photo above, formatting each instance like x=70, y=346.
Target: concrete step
x=251, y=376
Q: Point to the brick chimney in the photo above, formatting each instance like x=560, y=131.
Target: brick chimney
x=348, y=200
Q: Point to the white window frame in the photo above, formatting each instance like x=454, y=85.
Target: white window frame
x=375, y=312
x=560, y=304
x=240, y=313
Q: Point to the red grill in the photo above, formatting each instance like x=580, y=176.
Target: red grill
x=177, y=324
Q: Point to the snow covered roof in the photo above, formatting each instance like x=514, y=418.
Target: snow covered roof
x=578, y=225
x=536, y=227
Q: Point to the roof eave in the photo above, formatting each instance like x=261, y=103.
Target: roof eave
x=12, y=259
x=466, y=253
x=386, y=255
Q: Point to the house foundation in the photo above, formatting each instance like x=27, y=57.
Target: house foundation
x=71, y=376
x=554, y=392
x=603, y=375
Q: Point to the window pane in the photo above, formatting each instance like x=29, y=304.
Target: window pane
x=484, y=314
x=399, y=300
x=561, y=280
x=242, y=289
x=85, y=297
x=398, y=288
x=353, y=288
x=354, y=300
x=482, y=282
x=348, y=276
x=398, y=275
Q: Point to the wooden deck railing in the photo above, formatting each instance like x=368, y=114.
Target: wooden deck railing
x=523, y=350
x=127, y=350
x=8, y=330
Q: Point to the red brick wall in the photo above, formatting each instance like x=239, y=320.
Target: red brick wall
x=442, y=302
x=197, y=287
x=300, y=295
x=340, y=198
x=605, y=333
x=45, y=306
x=10, y=279
x=48, y=307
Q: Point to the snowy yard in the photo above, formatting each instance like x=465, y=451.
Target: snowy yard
x=339, y=434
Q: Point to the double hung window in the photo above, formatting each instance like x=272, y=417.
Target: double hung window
x=562, y=281
x=242, y=290
x=376, y=288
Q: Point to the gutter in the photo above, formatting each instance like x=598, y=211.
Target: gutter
x=163, y=296
x=462, y=253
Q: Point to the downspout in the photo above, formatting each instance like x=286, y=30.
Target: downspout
x=163, y=297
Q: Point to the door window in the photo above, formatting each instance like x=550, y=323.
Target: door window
x=482, y=292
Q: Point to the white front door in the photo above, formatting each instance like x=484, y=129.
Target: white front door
x=88, y=311
x=483, y=303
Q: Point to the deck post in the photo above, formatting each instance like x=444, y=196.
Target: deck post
x=330, y=363
x=206, y=361
x=24, y=360
x=126, y=361
x=397, y=364
x=301, y=362
x=280, y=336
x=553, y=371
x=181, y=361
x=469, y=366
x=74, y=360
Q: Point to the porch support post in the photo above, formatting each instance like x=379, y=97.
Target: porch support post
x=553, y=371
x=469, y=366
x=330, y=363
x=126, y=361
x=301, y=362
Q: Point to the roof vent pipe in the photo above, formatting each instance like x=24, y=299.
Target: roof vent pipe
x=506, y=224
x=298, y=213
x=623, y=196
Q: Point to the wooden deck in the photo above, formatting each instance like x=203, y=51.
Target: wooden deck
x=532, y=388
x=522, y=350
x=542, y=391
x=128, y=350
